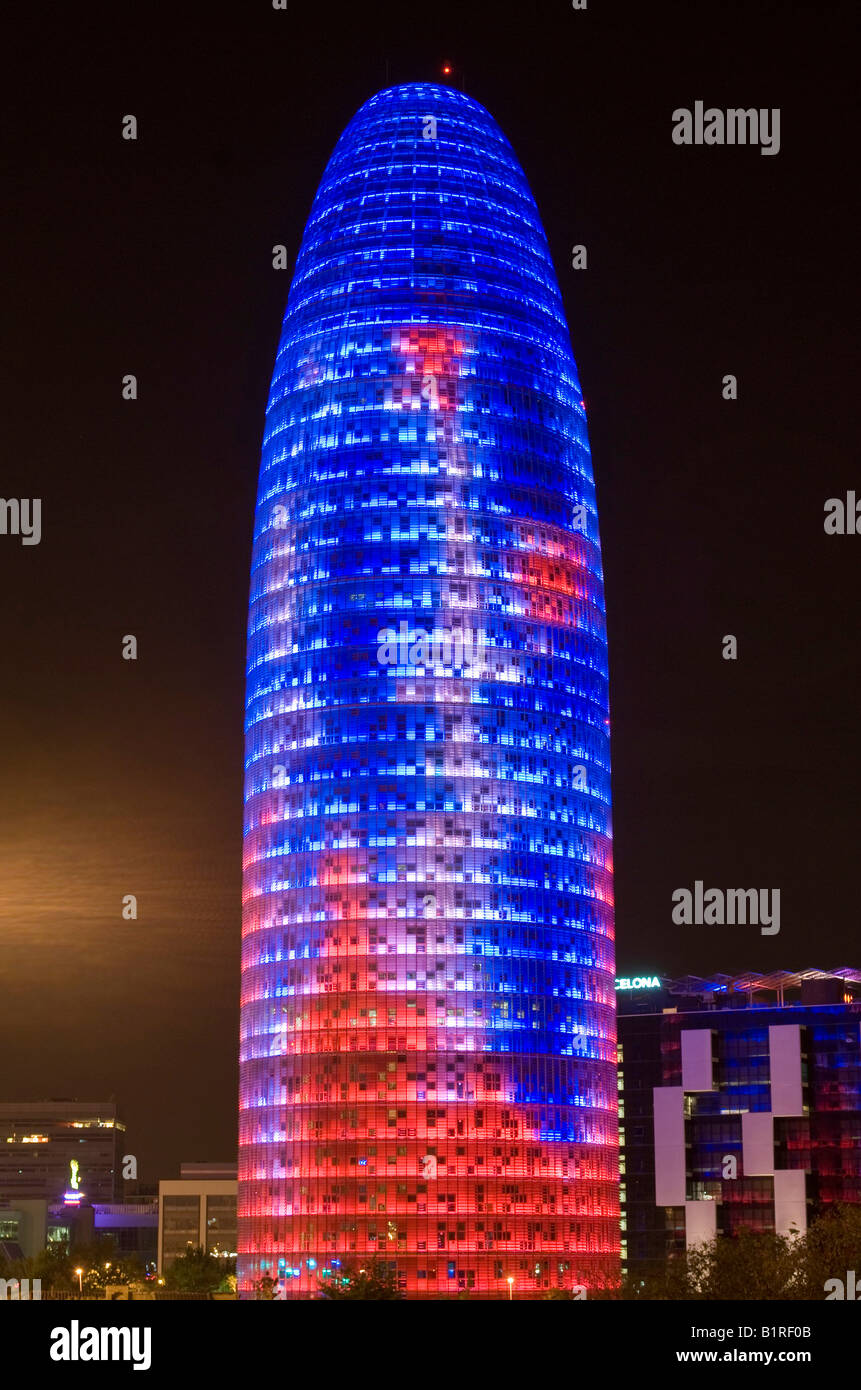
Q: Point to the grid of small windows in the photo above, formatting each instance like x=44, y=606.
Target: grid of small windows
x=221, y=1225
x=181, y=1227
x=428, y=1007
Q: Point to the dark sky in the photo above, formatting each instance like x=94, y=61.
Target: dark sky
x=154, y=257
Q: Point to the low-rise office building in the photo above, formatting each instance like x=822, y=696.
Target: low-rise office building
x=197, y=1209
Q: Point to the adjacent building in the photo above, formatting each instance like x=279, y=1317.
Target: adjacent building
x=27, y=1227
x=428, y=1026
x=60, y=1150
x=739, y=1105
x=197, y=1209
x=23, y=1228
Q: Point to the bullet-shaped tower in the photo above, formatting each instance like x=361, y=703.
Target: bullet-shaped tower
x=428, y=1014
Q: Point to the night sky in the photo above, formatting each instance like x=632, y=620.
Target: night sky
x=154, y=257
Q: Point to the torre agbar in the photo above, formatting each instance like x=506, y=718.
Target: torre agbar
x=427, y=1074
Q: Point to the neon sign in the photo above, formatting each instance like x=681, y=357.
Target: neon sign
x=639, y=982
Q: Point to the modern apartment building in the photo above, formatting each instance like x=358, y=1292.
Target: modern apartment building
x=740, y=1104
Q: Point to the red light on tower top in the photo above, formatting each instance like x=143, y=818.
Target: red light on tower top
x=446, y=69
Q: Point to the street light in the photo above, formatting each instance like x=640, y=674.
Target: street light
x=510, y=1286
x=80, y=1274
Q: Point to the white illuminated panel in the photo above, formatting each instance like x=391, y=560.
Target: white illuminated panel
x=784, y=1045
x=669, y=1107
x=790, y=1207
x=700, y=1222
x=697, y=1070
x=757, y=1139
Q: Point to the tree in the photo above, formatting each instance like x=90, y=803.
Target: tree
x=102, y=1266
x=52, y=1266
x=265, y=1288
x=56, y=1267
x=662, y=1281
x=830, y=1249
x=749, y=1265
x=372, y=1281
x=196, y=1271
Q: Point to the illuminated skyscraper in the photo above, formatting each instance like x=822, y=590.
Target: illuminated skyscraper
x=428, y=1012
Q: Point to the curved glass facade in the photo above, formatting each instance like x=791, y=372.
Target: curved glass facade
x=428, y=1009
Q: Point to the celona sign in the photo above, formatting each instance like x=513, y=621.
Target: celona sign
x=638, y=982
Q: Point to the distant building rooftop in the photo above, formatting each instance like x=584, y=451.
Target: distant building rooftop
x=212, y=1171
x=816, y=986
